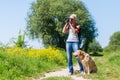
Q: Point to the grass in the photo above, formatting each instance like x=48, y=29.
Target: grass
x=21, y=67
x=108, y=67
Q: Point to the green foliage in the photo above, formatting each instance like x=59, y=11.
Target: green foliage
x=16, y=67
x=19, y=67
x=47, y=18
x=113, y=48
x=115, y=39
x=20, y=42
x=95, y=47
x=114, y=43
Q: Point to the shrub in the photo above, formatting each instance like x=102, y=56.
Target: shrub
x=18, y=63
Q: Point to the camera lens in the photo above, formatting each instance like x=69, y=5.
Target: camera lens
x=67, y=20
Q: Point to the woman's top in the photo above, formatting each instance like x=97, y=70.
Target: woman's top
x=72, y=37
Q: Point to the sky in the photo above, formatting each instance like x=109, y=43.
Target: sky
x=13, y=14
x=106, y=14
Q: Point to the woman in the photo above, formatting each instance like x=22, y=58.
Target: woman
x=72, y=43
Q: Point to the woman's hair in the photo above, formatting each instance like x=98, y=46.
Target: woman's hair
x=73, y=16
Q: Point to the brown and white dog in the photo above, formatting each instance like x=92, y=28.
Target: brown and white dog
x=89, y=65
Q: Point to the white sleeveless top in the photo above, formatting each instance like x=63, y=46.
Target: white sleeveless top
x=72, y=37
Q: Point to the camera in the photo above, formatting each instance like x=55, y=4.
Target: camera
x=68, y=20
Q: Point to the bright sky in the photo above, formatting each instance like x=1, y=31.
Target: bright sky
x=13, y=13
x=106, y=14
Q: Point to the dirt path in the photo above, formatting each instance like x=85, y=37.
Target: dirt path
x=63, y=73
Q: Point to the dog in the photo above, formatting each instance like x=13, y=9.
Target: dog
x=88, y=63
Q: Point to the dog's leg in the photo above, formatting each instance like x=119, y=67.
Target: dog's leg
x=83, y=67
x=88, y=69
x=84, y=70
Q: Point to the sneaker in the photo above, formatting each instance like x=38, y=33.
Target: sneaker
x=82, y=72
x=70, y=73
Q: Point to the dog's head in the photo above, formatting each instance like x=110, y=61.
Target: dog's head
x=80, y=54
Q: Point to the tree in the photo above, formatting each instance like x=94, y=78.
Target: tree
x=115, y=39
x=47, y=18
x=95, y=47
x=114, y=43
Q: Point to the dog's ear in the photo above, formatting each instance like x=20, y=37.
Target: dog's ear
x=76, y=53
x=82, y=52
x=79, y=52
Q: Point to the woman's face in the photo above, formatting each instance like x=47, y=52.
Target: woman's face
x=73, y=20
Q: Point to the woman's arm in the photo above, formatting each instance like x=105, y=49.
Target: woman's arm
x=75, y=30
x=65, y=28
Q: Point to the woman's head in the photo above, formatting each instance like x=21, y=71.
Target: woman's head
x=73, y=17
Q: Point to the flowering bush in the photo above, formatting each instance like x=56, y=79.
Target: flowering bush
x=18, y=63
x=46, y=54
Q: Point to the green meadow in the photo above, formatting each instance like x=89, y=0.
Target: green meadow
x=108, y=66
x=25, y=64
x=17, y=65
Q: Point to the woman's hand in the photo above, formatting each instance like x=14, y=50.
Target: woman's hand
x=65, y=28
x=75, y=30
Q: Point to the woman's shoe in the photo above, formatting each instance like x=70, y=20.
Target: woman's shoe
x=70, y=73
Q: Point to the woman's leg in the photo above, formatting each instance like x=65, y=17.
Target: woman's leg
x=75, y=46
x=69, y=56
